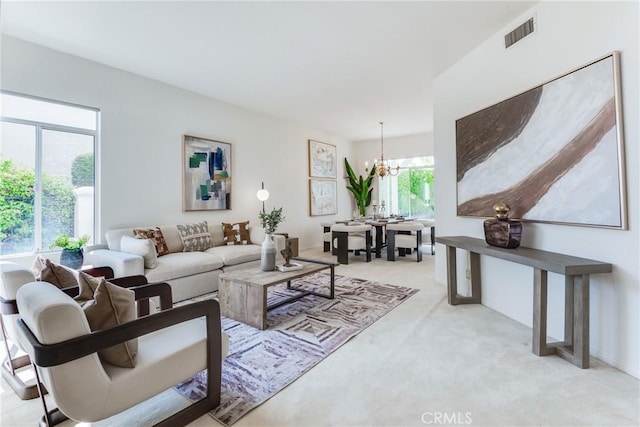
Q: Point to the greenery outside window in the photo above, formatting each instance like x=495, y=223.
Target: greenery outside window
x=47, y=172
x=410, y=193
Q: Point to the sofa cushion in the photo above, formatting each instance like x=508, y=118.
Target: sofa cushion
x=236, y=254
x=156, y=236
x=182, y=264
x=217, y=234
x=112, y=306
x=195, y=237
x=58, y=275
x=140, y=246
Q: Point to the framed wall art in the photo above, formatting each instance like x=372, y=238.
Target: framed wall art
x=554, y=153
x=323, y=197
x=323, y=162
x=206, y=181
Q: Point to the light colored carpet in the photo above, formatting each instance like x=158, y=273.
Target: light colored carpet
x=299, y=335
x=424, y=358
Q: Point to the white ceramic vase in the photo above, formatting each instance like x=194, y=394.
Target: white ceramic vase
x=268, y=254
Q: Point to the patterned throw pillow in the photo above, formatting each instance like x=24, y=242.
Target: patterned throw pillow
x=156, y=236
x=236, y=233
x=195, y=237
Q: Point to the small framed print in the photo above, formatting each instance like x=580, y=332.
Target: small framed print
x=323, y=162
x=323, y=197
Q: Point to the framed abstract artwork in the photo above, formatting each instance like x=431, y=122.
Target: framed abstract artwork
x=554, y=153
x=323, y=162
x=323, y=197
x=206, y=178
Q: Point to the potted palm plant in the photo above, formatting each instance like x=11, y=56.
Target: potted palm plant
x=360, y=187
x=72, y=254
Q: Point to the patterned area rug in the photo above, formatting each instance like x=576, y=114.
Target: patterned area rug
x=299, y=335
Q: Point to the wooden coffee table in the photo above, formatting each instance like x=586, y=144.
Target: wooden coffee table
x=243, y=293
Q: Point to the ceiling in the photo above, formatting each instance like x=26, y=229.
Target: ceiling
x=340, y=67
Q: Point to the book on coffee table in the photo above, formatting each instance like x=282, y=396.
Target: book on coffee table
x=293, y=266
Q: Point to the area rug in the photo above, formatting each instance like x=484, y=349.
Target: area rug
x=299, y=335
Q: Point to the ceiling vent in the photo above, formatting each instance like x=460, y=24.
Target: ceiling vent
x=522, y=31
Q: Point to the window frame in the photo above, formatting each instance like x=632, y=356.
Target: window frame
x=390, y=187
x=39, y=128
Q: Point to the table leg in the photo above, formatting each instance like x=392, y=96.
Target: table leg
x=379, y=243
x=581, y=321
x=476, y=285
x=244, y=303
x=568, y=310
x=452, y=277
x=433, y=240
x=539, y=343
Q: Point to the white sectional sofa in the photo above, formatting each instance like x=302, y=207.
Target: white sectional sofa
x=190, y=274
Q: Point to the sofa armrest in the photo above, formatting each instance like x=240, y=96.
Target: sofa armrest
x=123, y=264
x=256, y=234
x=89, y=248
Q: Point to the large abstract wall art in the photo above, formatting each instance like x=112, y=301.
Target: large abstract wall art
x=207, y=174
x=554, y=153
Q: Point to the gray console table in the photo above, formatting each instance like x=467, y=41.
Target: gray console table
x=575, y=347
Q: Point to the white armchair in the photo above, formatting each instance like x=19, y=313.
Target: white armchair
x=354, y=238
x=12, y=277
x=173, y=345
x=404, y=236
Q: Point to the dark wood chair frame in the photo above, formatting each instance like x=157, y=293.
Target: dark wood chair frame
x=11, y=365
x=342, y=251
x=391, y=245
x=66, y=351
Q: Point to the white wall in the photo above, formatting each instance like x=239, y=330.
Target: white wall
x=569, y=34
x=142, y=126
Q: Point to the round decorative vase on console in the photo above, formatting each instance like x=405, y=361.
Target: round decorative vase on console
x=501, y=231
x=72, y=258
x=268, y=254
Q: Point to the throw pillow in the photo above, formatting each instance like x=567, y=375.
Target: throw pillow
x=156, y=236
x=87, y=286
x=236, y=233
x=112, y=306
x=38, y=265
x=195, y=237
x=243, y=232
x=58, y=275
x=140, y=246
x=230, y=235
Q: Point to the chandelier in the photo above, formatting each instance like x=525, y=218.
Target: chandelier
x=382, y=166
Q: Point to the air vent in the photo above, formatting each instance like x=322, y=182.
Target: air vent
x=519, y=33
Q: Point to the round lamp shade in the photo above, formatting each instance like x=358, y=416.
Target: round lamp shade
x=262, y=195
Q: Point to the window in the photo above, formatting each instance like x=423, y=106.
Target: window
x=410, y=193
x=47, y=172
